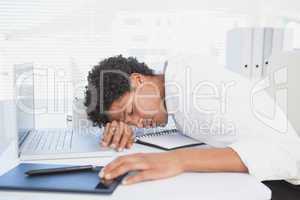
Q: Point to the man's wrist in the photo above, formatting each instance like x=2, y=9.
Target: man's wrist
x=182, y=158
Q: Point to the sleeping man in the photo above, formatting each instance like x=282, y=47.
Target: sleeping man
x=207, y=102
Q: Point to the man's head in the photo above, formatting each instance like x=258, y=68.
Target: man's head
x=124, y=89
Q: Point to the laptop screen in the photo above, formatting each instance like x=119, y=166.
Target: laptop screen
x=24, y=81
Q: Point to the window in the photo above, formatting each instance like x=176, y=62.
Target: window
x=6, y=75
x=152, y=35
x=66, y=38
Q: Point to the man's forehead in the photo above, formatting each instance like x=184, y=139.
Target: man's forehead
x=117, y=108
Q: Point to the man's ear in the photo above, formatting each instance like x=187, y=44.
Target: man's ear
x=136, y=80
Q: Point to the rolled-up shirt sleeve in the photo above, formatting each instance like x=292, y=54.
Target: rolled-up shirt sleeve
x=271, y=158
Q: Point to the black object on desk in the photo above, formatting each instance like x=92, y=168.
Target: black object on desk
x=282, y=190
x=86, y=181
x=48, y=171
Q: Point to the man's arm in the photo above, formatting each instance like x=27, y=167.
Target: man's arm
x=211, y=160
x=162, y=165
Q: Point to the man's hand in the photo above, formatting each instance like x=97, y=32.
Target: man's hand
x=148, y=167
x=118, y=136
x=162, y=165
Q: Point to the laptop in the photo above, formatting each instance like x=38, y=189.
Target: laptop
x=50, y=143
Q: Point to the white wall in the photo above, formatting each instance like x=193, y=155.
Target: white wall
x=72, y=36
x=284, y=84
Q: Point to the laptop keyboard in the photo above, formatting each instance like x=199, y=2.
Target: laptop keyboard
x=50, y=140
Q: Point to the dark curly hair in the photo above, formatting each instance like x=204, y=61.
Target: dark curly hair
x=108, y=81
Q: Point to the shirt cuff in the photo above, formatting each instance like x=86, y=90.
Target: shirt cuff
x=266, y=160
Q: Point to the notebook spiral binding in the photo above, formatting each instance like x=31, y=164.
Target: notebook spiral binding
x=160, y=133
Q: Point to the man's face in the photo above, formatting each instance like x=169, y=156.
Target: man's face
x=141, y=107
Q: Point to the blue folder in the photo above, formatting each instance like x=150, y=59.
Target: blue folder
x=81, y=182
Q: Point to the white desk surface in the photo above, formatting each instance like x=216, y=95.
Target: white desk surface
x=208, y=186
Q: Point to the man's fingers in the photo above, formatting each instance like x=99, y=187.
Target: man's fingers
x=130, y=140
x=130, y=143
x=126, y=137
x=130, y=165
x=139, y=177
x=122, y=169
x=110, y=132
x=115, y=163
x=106, y=135
x=117, y=135
x=122, y=160
x=118, y=131
x=123, y=142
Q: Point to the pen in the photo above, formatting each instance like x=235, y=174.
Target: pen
x=37, y=172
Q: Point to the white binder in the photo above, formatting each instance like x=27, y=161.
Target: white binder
x=239, y=51
x=277, y=44
x=267, y=51
x=249, y=49
x=257, y=53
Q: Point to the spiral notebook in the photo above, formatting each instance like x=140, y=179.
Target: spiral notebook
x=167, y=140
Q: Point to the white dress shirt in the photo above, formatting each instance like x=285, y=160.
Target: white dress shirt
x=224, y=109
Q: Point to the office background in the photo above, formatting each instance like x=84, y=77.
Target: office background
x=63, y=39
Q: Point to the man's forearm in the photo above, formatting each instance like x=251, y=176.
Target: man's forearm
x=210, y=160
